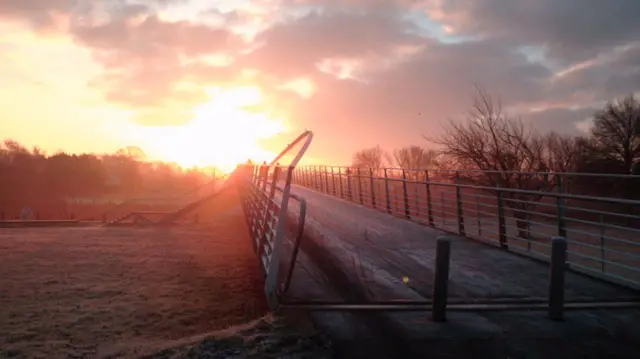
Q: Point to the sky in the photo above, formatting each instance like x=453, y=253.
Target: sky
x=214, y=82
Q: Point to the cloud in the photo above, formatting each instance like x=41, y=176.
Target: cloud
x=155, y=64
x=561, y=120
x=359, y=72
x=41, y=15
x=295, y=47
x=571, y=30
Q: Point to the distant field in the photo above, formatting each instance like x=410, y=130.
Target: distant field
x=99, y=291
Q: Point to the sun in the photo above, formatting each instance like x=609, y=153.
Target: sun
x=223, y=133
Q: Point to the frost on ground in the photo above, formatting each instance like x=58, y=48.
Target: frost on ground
x=96, y=291
x=265, y=337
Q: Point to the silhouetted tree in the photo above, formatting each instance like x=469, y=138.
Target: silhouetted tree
x=34, y=179
x=500, y=152
x=372, y=158
x=616, y=130
x=563, y=151
x=415, y=158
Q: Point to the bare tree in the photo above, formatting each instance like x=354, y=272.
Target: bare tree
x=501, y=153
x=617, y=130
x=562, y=151
x=414, y=158
x=372, y=158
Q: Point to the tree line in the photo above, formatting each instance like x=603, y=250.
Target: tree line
x=490, y=140
x=30, y=177
x=491, y=149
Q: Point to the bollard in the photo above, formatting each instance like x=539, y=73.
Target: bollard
x=556, y=277
x=441, y=279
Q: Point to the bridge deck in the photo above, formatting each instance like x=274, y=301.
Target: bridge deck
x=374, y=251
x=386, y=249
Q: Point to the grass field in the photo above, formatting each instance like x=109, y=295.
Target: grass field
x=108, y=292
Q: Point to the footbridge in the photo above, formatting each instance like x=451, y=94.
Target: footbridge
x=408, y=256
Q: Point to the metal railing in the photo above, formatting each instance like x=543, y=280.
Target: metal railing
x=262, y=201
x=265, y=204
x=517, y=211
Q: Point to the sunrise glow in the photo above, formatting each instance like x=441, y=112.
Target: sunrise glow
x=213, y=83
x=223, y=133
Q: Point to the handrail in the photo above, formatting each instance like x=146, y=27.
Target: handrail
x=520, y=220
x=586, y=174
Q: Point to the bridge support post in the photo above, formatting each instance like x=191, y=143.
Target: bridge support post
x=441, y=279
x=340, y=180
x=358, y=174
x=556, y=278
x=333, y=183
x=386, y=191
x=502, y=224
x=307, y=179
x=372, y=188
x=405, y=193
x=459, y=206
x=429, y=205
x=349, y=185
x=326, y=180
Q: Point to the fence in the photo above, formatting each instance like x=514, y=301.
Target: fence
x=265, y=205
x=517, y=211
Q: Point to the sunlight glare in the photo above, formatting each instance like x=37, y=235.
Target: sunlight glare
x=223, y=133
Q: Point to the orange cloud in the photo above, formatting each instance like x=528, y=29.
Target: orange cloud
x=357, y=72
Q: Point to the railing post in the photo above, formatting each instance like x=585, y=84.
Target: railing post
x=289, y=176
x=359, y=185
x=349, y=186
x=386, y=190
x=407, y=211
x=307, y=172
x=333, y=183
x=303, y=179
x=459, y=206
x=502, y=226
x=267, y=214
x=373, y=190
x=562, y=229
x=252, y=176
x=556, y=277
x=341, y=185
x=441, y=279
x=326, y=179
x=264, y=174
x=312, y=177
x=429, y=206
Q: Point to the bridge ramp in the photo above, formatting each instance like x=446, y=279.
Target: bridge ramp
x=383, y=258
